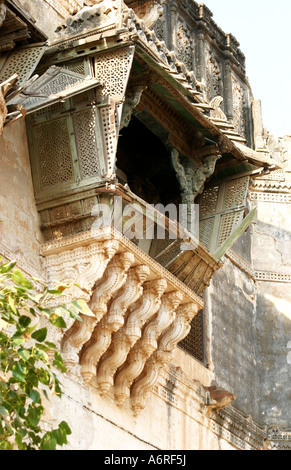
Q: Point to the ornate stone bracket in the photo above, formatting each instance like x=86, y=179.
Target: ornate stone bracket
x=125, y=339
x=162, y=356
x=113, y=321
x=113, y=279
x=135, y=303
x=216, y=112
x=131, y=102
x=145, y=346
x=191, y=177
x=82, y=274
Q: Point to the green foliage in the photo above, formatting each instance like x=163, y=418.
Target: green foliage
x=28, y=362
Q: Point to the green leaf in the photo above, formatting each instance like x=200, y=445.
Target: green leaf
x=58, y=362
x=19, y=436
x=40, y=335
x=24, y=321
x=43, y=347
x=65, y=427
x=61, y=433
x=6, y=267
x=44, y=376
x=18, y=372
x=82, y=307
x=35, y=396
x=12, y=304
x=20, y=279
x=50, y=345
x=34, y=415
x=48, y=442
x=24, y=354
x=17, y=341
x=3, y=412
x=3, y=325
x=57, y=321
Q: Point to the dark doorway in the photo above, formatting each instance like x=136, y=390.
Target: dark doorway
x=146, y=165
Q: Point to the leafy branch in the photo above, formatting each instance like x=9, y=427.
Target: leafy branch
x=29, y=362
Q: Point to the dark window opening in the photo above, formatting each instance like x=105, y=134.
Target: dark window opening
x=146, y=166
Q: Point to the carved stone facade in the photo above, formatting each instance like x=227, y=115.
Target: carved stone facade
x=147, y=104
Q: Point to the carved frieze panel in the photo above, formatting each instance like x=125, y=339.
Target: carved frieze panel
x=214, y=83
x=239, y=105
x=185, y=46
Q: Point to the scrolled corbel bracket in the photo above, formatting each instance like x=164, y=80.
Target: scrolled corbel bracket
x=124, y=339
x=178, y=331
x=110, y=323
x=146, y=345
x=131, y=101
x=80, y=333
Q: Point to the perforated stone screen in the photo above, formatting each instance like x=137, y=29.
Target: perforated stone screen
x=66, y=145
x=193, y=344
x=222, y=209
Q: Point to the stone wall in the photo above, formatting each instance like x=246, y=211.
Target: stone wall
x=173, y=420
x=20, y=236
x=249, y=307
x=231, y=309
x=47, y=13
x=271, y=262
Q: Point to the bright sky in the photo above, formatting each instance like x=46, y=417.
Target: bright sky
x=263, y=29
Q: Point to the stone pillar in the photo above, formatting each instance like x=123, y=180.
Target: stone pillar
x=228, y=95
x=201, y=65
x=258, y=126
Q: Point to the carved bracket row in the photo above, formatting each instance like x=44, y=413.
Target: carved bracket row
x=139, y=318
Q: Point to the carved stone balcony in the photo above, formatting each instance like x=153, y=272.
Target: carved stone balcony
x=141, y=312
